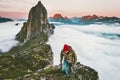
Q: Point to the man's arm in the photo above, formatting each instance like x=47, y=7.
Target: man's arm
x=74, y=60
x=61, y=57
x=75, y=57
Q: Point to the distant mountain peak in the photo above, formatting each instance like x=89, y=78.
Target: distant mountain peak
x=3, y=19
x=89, y=17
x=57, y=16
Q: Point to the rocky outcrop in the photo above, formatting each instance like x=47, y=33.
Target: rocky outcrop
x=36, y=24
x=37, y=30
x=82, y=72
x=34, y=54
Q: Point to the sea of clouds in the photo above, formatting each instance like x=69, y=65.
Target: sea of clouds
x=8, y=30
x=97, y=46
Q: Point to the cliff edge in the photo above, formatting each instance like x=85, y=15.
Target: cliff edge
x=32, y=59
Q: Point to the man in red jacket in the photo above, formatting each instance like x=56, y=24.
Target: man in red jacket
x=70, y=59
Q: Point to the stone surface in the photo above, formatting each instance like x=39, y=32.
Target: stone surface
x=36, y=24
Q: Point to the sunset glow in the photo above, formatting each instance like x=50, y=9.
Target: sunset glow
x=70, y=8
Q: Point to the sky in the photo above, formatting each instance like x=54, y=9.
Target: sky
x=70, y=8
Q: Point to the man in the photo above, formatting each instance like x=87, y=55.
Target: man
x=70, y=59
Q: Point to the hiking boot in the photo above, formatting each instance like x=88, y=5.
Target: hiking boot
x=67, y=77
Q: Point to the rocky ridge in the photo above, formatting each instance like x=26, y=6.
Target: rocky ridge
x=85, y=20
x=32, y=59
x=94, y=19
x=32, y=53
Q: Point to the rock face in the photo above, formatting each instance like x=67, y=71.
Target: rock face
x=82, y=72
x=36, y=24
x=37, y=29
x=34, y=54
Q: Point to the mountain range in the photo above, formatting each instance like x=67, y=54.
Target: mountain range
x=3, y=19
x=85, y=20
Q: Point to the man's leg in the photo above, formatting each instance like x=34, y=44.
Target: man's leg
x=70, y=67
x=64, y=68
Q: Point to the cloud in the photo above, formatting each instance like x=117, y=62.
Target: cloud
x=100, y=53
x=8, y=31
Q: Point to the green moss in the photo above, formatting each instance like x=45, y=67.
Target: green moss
x=33, y=55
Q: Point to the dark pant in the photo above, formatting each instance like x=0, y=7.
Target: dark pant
x=64, y=67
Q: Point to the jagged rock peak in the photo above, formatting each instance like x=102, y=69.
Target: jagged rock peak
x=39, y=2
x=36, y=24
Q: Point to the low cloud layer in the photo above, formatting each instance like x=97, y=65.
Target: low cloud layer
x=92, y=47
x=8, y=30
x=98, y=52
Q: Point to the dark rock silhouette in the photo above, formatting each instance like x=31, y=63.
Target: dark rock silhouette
x=3, y=19
x=17, y=24
x=109, y=20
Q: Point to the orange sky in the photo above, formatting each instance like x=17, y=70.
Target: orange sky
x=70, y=8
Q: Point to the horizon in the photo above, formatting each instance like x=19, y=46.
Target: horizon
x=75, y=8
